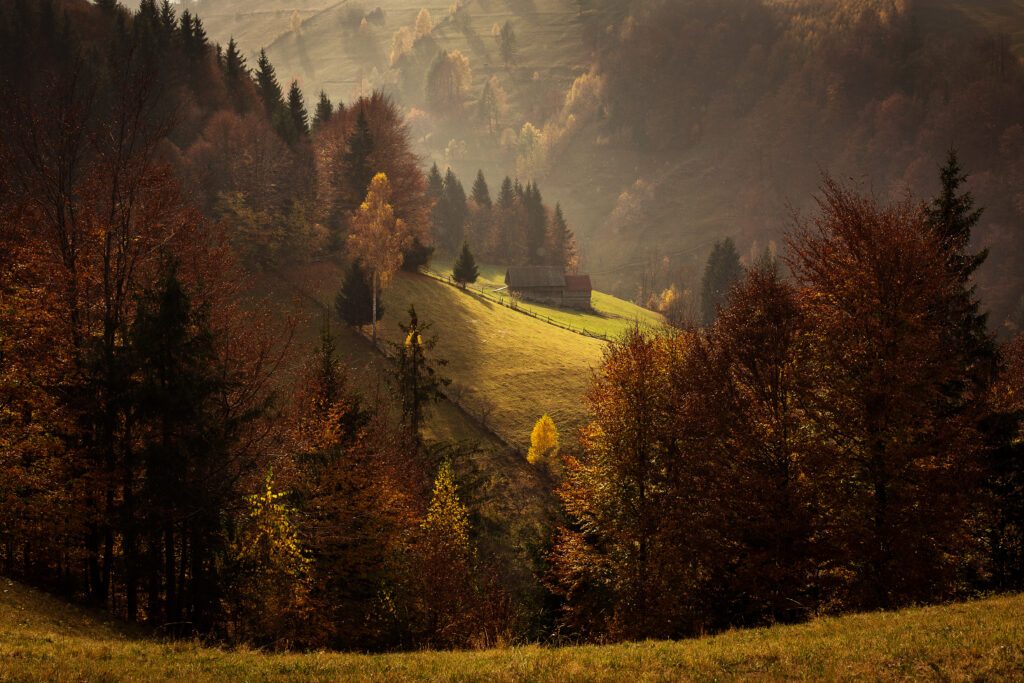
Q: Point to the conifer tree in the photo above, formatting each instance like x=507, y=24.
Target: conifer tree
x=453, y=213
x=167, y=18
x=267, y=85
x=353, y=302
x=508, y=44
x=536, y=225
x=297, y=110
x=562, y=242
x=234, y=61
x=415, y=376
x=357, y=164
x=324, y=111
x=465, y=270
x=271, y=583
x=723, y=270
x=481, y=193
x=952, y=216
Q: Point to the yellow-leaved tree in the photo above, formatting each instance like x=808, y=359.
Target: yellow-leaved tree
x=378, y=239
x=544, y=444
x=271, y=581
x=446, y=591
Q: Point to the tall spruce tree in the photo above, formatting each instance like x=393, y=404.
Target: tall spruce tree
x=416, y=378
x=453, y=217
x=723, y=270
x=952, y=216
x=358, y=165
x=297, y=111
x=536, y=225
x=481, y=193
x=324, y=111
x=267, y=85
x=465, y=270
x=189, y=478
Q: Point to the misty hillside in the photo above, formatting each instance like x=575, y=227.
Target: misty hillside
x=679, y=123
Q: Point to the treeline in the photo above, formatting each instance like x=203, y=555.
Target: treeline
x=848, y=438
x=516, y=228
x=153, y=461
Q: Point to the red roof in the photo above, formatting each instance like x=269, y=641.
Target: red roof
x=577, y=283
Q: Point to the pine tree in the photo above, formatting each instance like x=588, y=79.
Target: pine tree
x=416, y=378
x=297, y=110
x=481, y=193
x=465, y=270
x=358, y=166
x=417, y=256
x=270, y=586
x=167, y=17
x=234, y=62
x=447, y=518
x=951, y=217
x=454, y=211
x=267, y=85
x=324, y=111
x=536, y=225
x=353, y=302
x=723, y=270
x=508, y=44
x=562, y=243
x=182, y=449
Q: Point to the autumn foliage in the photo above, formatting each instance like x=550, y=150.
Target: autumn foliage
x=801, y=455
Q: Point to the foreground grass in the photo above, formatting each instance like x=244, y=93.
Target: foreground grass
x=44, y=639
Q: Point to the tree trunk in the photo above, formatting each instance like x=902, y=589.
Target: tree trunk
x=373, y=314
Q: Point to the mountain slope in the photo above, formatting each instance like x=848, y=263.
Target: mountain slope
x=45, y=639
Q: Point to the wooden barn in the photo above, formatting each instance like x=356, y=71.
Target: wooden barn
x=550, y=286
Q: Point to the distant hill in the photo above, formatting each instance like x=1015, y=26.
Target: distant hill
x=45, y=639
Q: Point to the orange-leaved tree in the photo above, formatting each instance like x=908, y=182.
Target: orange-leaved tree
x=378, y=238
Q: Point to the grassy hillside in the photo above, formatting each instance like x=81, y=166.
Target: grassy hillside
x=520, y=366
x=610, y=317
x=45, y=639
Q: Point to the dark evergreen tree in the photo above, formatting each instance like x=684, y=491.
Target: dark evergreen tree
x=415, y=377
x=324, y=111
x=952, y=216
x=562, y=242
x=536, y=225
x=358, y=164
x=297, y=111
x=481, y=193
x=234, y=62
x=354, y=301
x=465, y=270
x=190, y=478
x=507, y=194
x=417, y=256
x=267, y=85
x=167, y=18
x=454, y=211
x=723, y=270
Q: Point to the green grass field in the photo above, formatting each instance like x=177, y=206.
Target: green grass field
x=45, y=639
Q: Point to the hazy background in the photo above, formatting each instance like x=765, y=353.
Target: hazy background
x=662, y=126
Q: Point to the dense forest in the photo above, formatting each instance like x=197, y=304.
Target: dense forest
x=832, y=423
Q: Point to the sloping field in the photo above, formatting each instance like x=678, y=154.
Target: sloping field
x=45, y=639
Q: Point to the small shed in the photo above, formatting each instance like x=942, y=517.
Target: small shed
x=550, y=286
x=577, y=292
